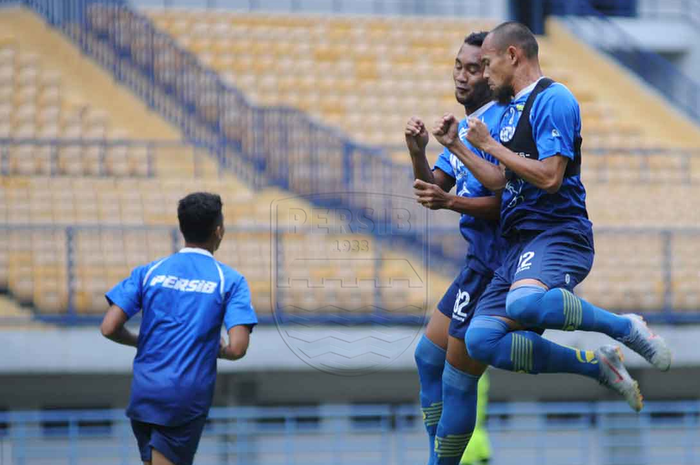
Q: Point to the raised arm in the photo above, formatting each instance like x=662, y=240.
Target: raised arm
x=545, y=174
x=489, y=175
x=416, y=140
x=113, y=328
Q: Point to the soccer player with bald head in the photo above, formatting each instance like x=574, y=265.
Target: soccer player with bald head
x=545, y=223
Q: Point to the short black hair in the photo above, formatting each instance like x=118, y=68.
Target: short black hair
x=476, y=38
x=517, y=35
x=199, y=214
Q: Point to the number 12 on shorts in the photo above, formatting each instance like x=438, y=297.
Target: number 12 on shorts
x=524, y=262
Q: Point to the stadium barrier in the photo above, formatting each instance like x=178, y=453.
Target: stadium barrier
x=50, y=263
x=91, y=157
x=66, y=282
x=598, y=433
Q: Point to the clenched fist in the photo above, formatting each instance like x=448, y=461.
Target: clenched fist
x=445, y=130
x=478, y=134
x=416, y=136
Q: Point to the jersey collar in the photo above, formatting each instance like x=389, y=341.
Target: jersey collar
x=481, y=110
x=527, y=90
x=194, y=250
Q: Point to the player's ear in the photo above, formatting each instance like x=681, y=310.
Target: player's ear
x=512, y=54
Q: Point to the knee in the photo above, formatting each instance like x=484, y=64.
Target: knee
x=523, y=304
x=477, y=345
x=483, y=336
x=428, y=353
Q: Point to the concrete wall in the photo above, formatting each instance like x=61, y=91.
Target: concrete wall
x=78, y=368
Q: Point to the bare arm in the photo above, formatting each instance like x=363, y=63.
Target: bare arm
x=238, y=340
x=112, y=327
x=479, y=207
x=433, y=197
x=416, y=140
x=544, y=174
x=489, y=175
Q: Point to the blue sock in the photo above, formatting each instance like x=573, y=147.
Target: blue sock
x=459, y=391
x=560, y=309
x=490, y=340
x=430, y=360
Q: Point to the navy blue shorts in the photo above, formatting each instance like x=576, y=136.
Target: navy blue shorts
x=459, y=302
x=556, y=257
x=177, y=443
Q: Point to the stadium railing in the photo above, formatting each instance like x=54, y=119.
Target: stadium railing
x=594, y=27
x=279, y=281
x=73, y=261
x=597, y=433
x=53, y=157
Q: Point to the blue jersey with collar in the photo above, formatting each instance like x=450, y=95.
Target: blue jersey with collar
x=556, y=122
x=185, y=299
x=484, y=236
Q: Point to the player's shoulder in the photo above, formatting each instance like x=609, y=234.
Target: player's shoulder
x=557, y=94
x=152, y=265
x=231, y=274
x=495, y=108
x=494, y=112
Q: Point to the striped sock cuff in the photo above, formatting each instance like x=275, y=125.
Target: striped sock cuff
x=573, y=311
x=432, y=414
x=521, y=353
x=451, y=446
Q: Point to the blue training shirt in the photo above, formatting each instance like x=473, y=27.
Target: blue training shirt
x=185, y=298
x=484, y=236
x=556, y=122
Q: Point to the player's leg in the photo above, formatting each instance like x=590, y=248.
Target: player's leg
x=142, y=432
x=160, y=459
x=430, y=360
x=549, y=267
x=176, y=444
x=494, y=339
x=460, y=377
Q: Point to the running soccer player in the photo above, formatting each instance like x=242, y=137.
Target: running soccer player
x=544, y=219
x=448, y=376
x=185, y=299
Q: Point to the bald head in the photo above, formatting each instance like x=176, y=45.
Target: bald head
x=509, y=56
x=514, y=34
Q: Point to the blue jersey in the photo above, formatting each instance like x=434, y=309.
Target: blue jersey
x=556, y=123
x=185, y=300
x=484, y=236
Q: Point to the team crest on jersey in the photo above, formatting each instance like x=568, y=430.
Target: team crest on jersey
x=507, y=133
x=508, y=130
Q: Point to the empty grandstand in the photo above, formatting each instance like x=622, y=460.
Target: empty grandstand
x=112, y=111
